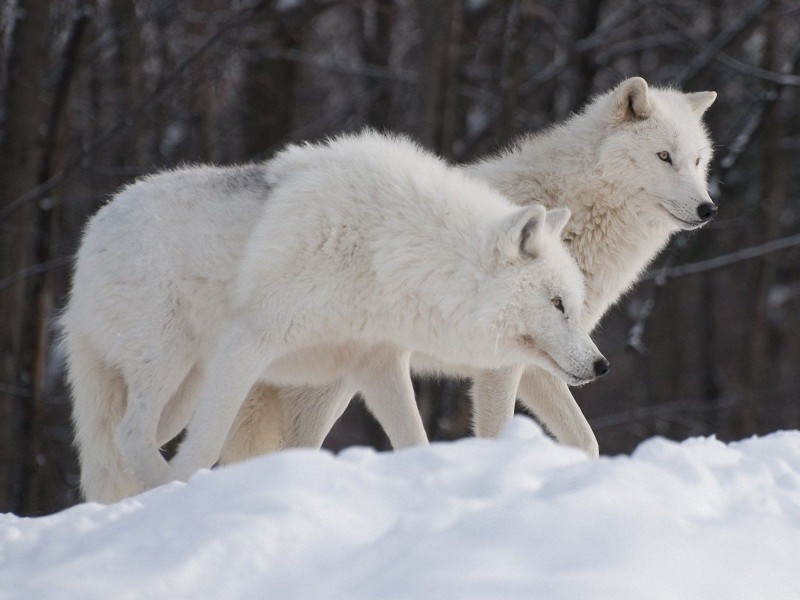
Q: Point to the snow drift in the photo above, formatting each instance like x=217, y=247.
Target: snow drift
x=516, y=517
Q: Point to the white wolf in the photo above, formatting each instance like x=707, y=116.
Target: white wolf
x=327, y=265
x=632, y=168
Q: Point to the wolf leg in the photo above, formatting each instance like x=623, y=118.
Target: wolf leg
x=550, y=400
x=238, y=361
x=385, y=383
x=310, y=412
x=259, y=426
x=136, y=435
x=293, y=417
x=178, y=411
x=494, y=393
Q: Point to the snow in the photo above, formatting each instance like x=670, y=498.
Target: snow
x=516, y=517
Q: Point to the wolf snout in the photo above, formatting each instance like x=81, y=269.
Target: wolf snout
x=601, y=367
x=706, y=210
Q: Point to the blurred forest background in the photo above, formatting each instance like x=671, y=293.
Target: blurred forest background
x=96, y=93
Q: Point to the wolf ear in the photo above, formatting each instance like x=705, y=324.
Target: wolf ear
x=630, y=100
x=700, y=101
x=556, y=220
x=521, y=232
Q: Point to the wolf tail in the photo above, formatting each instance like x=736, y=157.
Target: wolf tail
x=98, y=405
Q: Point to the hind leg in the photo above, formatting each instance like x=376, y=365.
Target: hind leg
x=310, y=412
x=258, y=428
x=272, y=418
x=237, y=364
x=149, y=391
x=178, y=411
x=98, y=403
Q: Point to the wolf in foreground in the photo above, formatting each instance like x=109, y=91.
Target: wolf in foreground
x=632, y=168
x=326, y=266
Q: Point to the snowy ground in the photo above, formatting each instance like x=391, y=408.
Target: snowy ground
x=517, y=517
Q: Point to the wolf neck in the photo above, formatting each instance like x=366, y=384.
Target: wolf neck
x=611, y=240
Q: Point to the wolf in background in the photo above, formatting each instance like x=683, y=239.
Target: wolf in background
x=632, y=167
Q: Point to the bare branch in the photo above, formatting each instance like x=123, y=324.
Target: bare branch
x=15, y=391
x=330, y=64
x=742, y=139
x=241, y=17
x=778, y=78
x=664, y=410
x=636, y=333
x=707, y=54
x=34, y=270
x=725, y=260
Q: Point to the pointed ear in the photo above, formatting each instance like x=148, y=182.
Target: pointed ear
x=631, y=100
x=556, y=220
x=700, y=101
x=521, y=232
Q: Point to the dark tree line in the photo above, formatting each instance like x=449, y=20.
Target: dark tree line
x=94, y=93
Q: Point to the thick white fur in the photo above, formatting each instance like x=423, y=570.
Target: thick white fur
x=626, y=203
x=326, y=266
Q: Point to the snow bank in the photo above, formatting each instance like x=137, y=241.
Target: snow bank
x=517, y=517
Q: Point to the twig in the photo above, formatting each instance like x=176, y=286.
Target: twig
x=13, y=390
x=330, y=64
x=660, y=411
x=779, y=78
x=725, y=260
x=34, y=270
x=742, y=139
x=725, y=36
x=240, y=18
x=771, y=97
x=636, y=333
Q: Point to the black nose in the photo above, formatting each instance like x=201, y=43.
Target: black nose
x=601, y=367
x=706, y=210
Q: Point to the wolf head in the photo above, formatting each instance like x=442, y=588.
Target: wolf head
x=539, y=286
x=658, y=146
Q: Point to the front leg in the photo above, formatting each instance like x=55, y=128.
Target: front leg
x=494, y=393
x=384, y=379
x=550, y=400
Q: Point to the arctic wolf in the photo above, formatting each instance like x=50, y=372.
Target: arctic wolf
x=325, y=266
x=632, y=168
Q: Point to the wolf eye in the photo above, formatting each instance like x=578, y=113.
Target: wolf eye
x=697, y=163
x=664, y=155
x=557, y=303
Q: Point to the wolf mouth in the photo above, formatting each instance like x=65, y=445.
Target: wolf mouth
x=686, y=224
x=572, y=378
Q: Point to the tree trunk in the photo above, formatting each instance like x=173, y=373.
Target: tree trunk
x=442, y=23
x=269, y=91
x=376, y=47
x=21, y=157
x=773, y=199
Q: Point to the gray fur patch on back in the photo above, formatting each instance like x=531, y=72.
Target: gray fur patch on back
x=250, y=177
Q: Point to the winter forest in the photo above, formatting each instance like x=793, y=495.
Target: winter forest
x=95, y=93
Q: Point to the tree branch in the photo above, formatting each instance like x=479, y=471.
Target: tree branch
x=707, y=54
x=34, y=270
x=725, y=260
x=240, y=18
